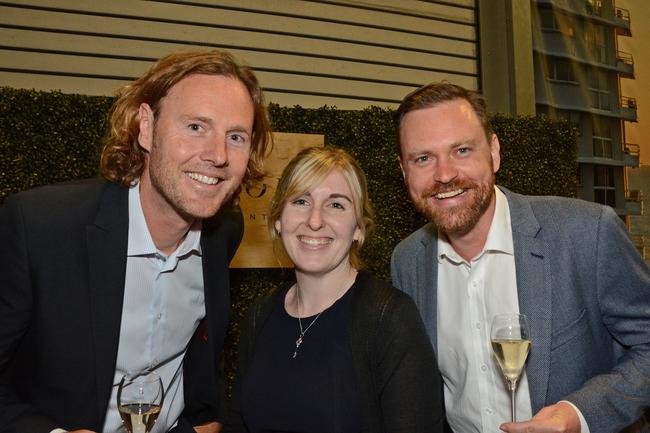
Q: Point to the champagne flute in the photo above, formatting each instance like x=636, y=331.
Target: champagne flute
x=139, y=400
x=510, y=344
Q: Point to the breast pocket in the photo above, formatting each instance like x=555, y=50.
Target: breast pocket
x=569, y=331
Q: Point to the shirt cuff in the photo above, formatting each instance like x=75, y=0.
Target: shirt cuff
x=584, y=428
x=59, y=430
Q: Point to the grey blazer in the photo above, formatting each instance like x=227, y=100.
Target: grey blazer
x=586, y=292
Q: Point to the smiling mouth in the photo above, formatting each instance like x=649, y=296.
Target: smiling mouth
x=313, y=241
x=449, y=194
x=207, y=180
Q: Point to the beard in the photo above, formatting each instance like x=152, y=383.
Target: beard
x=457, y=220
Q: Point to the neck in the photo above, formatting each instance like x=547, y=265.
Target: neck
x=167, y=228
x=314, y=293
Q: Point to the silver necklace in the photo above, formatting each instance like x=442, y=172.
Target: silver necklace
x=302, y=332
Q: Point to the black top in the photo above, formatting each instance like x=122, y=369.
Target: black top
x=314, y=392
x=397, y=377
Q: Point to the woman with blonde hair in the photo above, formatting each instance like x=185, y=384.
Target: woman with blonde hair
x=335, y=350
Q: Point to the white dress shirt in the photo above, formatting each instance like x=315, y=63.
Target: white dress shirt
x=470, y=294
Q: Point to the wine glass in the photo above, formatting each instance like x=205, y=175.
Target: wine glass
x=139, y=400
x=510, y=344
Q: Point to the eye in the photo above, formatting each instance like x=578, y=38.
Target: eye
x=421, y=159
x=195, y=127
x=464, y=150
x=299, y=202
x=238, y=138
x=337, y=205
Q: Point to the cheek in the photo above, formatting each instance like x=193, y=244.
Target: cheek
x=238, y=162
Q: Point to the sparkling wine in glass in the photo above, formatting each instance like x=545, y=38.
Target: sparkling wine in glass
x=510, y=343
x=139, y=400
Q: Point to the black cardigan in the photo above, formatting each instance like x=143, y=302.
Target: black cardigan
x=399, y=383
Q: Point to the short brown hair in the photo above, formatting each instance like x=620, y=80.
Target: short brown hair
x=433, y=94
x=123, y=159
x=308, y=169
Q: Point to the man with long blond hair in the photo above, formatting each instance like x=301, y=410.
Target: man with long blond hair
x=103, y=277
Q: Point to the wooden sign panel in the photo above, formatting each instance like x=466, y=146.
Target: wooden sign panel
x=256, y=249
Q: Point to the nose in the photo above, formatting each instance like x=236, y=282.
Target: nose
x=315, y=221
x=216, y=152
x=445, y=171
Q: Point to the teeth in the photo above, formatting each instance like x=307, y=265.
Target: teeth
x=315, y=242
x=204, y=179
x=448, y=194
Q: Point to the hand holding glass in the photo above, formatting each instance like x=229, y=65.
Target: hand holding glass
x=511, y=344
x=139, y=400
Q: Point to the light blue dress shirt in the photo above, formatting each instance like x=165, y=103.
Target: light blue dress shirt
x=163, y=305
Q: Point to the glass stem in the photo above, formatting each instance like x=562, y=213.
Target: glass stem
x=513, y=388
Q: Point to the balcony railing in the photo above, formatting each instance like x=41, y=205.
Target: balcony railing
x=634, y=202
x=634, y=195
x=624, y=57
x=623, y=22
x=627, y=102
x=632, y=149
x=623, y=14
x=625, y=64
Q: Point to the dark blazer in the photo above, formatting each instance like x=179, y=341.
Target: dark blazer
x=63, y=252
x=398, y=379
x=586, y=292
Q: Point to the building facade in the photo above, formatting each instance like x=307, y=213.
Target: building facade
x=578, y=68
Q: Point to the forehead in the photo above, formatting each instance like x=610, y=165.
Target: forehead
x=209, y=90
x=450, y=120
x=331, y=182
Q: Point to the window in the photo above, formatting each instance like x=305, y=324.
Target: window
x=561, y=70
x=551, y=20
x=604, y=188
x=602, y=137
x=594, y=7
x=598, y=89
x=595, y=42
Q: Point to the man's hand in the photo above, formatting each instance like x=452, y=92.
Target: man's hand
x=212, y=427
x=557, y=418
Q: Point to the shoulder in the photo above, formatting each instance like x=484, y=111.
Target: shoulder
x=416, y=241
x=69, y=200
x=377, y=298
x=559, y=214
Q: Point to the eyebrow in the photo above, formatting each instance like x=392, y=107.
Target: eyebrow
x=337, y=195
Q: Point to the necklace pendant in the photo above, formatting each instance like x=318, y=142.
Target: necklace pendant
x=298, y=343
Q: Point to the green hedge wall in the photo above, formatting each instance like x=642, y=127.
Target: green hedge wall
x=48, y=137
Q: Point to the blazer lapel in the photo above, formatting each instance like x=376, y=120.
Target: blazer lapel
x=107, y=252
x=534, y=291
x=427, y=284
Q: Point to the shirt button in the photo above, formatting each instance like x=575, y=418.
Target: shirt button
x=483, y=367
x=478, y=325
x=488, y=411
x=159, y=316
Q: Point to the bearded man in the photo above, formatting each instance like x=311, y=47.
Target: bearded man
x=567, y=264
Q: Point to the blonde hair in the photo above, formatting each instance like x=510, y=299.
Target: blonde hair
x=123, y=159
x=308, y=169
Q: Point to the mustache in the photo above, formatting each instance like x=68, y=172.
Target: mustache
x=437, y=189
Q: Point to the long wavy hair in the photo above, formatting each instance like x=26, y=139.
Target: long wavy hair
x=123, y=160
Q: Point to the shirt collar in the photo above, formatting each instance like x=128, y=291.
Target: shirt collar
x=499, y=238
x=140, y=241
